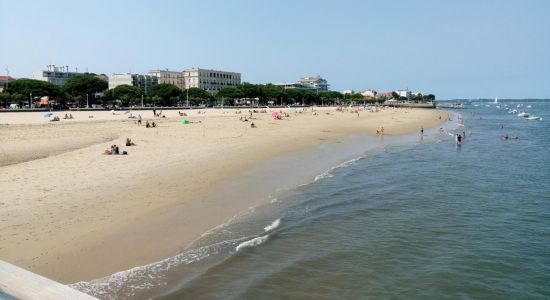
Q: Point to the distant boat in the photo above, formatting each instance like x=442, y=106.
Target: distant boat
x=523, y=114
x=496, y=100
x=534, y=118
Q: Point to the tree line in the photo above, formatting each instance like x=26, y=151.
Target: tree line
x=88, y=87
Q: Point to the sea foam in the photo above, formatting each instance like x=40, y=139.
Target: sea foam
x=273, y=225
x=253, y=242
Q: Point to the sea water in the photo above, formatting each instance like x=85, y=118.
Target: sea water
x=411, y=219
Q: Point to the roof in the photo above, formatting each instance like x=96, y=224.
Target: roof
x=6, y=78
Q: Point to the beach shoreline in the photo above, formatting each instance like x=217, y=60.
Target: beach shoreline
x=73, y=214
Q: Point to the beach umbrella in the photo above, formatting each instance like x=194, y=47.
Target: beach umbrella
x=48, y=114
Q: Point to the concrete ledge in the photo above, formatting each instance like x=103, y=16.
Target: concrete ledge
x=21, y=284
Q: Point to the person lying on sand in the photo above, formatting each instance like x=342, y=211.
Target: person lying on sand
x=129, y=142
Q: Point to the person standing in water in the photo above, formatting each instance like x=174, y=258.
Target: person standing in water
x=422, y=130
x=458, y=139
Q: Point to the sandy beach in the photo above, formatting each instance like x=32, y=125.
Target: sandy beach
x=70, y=213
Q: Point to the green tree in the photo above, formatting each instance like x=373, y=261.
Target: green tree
x=38, y=88
x=331, y=97
x=83, y=86
x=164, y=94
x=275, y=93
x=4, y=99
x=251, y=90
x=229, y=94
x=197, y=96
x=123, y=94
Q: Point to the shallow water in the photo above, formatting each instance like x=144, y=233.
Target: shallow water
x=409, y=220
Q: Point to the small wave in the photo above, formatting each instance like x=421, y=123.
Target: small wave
x=273, y=225
x=253, y=242
x=328, y=173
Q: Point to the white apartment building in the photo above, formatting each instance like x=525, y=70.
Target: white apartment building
x=170, y=77
x=369, y=93
x=210, y=80
x=348, y=92
x=404, y=93
x=314, y=82
x=55, y=75
x=143, y=82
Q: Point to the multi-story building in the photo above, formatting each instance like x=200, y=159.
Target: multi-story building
x=316, y=83
x=370, y=93
x=404, y=93
x=348, y=92
x=143, y=82
x=55, y=75
x=170, y=77
x=210, y=80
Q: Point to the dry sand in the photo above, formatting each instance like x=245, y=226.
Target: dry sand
x=70, y=213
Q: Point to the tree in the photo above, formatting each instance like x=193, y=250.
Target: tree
x=197, y=96
x=84, y=86
x=164, y=94
x=229, y=94
x=395, y=95
x=331, y=97
x=251, y=90
x=275, y=93
x=38, y=88
x=126, y=94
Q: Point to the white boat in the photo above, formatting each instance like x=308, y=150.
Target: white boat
x=528, y=106
x=523, y=114
x=496, y=100
x=534, y=118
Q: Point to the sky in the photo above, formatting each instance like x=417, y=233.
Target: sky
x=453, y=49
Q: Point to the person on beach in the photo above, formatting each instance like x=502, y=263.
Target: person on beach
x=153, y=124
x=252, y=125
x=66, y=117
x=458, y=139
x=139, y=120
x=422, y=130
x=129, y=142
x=71, y=116
x=147, y=125
x=154, y=112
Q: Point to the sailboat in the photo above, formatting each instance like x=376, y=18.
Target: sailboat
x=496, y=100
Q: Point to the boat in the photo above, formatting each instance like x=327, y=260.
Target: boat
x=523, y=114
x=534, y=118
x=496, y=100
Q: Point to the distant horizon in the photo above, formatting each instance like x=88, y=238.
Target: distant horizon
x=454, y=50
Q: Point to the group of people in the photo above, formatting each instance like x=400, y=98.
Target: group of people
x=115, y=150
x=380, y=130
x=70, y=116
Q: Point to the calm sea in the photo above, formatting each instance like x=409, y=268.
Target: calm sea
x=410, y=219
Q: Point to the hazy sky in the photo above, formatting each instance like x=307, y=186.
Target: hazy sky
x=454, y=49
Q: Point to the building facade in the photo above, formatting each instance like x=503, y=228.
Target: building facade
x=316, y=83
x=169, y=77
x=370, y=93
x=55, y=75
x=404, y=93
x=210, y=80
x=143, y=82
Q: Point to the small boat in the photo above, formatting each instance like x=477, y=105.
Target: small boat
x=534, y=118
x=528, y=106
x=523, y=114
x=496, y=100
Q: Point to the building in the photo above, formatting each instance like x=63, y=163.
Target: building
x=316, y=83
x=370, y=93
x=143, y=82
x=55, y=75
x=210, y=80
x=348, y=92
x=404, y=93
x=169, y=77
x=291, y=85
x=5, y=80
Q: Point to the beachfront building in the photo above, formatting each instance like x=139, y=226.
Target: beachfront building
x=404, y=93
x=370, y=93
x=314, y=82
x=169, y=77
x=348, y=92
x=290, y=85
x=143, y=82
x=56, y=75
x=5, y=80
x=210, y=80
